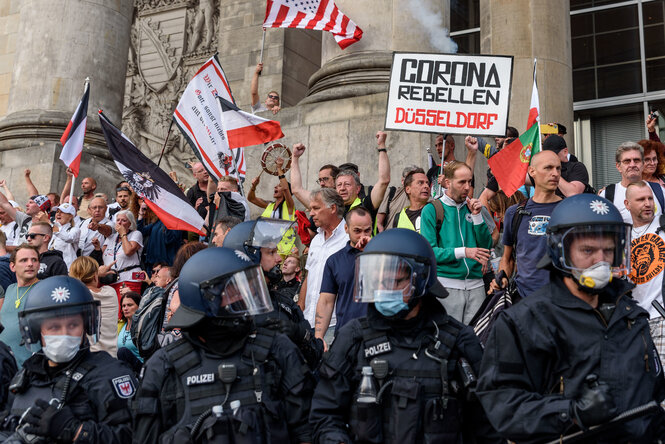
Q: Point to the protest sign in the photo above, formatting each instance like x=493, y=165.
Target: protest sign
x=448, y=93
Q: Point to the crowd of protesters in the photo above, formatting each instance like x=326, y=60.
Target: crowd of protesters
x=483, y=240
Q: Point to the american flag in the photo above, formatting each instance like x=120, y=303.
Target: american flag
x=321, y=15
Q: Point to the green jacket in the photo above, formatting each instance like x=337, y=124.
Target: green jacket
x=459, y=229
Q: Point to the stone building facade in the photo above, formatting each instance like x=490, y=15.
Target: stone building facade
x=140, y=55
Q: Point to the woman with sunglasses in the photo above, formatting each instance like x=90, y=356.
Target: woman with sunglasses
x=124, y=248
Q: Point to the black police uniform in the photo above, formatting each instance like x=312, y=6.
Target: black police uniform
x=95, y=386
x=182, y=382
x=541, y=350
x=8, y=369
x=418, y=401
x=289, y=319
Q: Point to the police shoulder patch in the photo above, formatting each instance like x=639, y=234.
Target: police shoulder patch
x=124, y=386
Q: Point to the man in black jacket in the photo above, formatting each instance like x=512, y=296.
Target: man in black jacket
x=51, y=262
x=405, y=373
x=577, y=352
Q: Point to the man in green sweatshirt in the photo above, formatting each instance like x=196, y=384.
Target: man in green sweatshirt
x=461, y=244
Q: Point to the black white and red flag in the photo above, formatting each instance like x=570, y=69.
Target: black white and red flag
x=321, y=15
x=245, y=129
x=72, y=138
x=151, y=183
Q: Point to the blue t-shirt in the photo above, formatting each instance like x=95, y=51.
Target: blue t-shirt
x=125, y=340
x=11, y=335
x=531, y=246
x=338, y=278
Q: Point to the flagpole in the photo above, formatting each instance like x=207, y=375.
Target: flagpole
x=168, y=133
x=535, y=65
x=263, y=42
x=86, y=85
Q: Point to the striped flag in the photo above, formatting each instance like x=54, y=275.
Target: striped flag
x=245, y=129
x=320, y=15
x=72, y=138
x=150, y=182
x=510, y=165
x=197, y=117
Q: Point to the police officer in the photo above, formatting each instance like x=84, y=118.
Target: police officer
x=225, y=381
x=577, y=352
x=259, y=239
x=65, y=392
x=406, y=372
x=8, y=369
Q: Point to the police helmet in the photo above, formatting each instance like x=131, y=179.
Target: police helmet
x=591, y=217
x=397, y=259
x=220, y=283
x=54, y=297
x=253, y=235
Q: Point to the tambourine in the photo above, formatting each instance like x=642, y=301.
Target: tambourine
x=271, y=154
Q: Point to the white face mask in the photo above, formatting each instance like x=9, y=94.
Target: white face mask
x=596, y=276
x=61, y=348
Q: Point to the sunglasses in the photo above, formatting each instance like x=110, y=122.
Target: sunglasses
x=34, y=235
x=122, y=189
x=272, y=96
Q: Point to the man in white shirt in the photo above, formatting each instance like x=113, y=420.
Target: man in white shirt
x=327, y=209
x=272, y=100
x=96, y=229
x=647, y=257
x=630, y=163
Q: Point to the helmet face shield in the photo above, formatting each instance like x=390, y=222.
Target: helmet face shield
x=268, y=233
x=30, y=322
x=386, y=277
x=580, y=247
x=240, y=294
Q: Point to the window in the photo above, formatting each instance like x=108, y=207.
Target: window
x=465, y=25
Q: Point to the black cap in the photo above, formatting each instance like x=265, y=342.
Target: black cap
x=561, y=129
x=554, y=143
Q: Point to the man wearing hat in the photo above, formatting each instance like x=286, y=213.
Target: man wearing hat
x=574, y=176
x=35, y=205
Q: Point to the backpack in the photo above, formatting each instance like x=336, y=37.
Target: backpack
x=148, y=320
x=657, y=194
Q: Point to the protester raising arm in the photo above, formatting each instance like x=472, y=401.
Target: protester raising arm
x=302, y=194
x=32, y=189
x=8, y=207
x=288, y=197
x=254, y=86
x=379, y=189
x=68, y=185
x=252, y=197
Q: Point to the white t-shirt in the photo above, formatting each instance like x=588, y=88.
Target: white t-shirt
x=647, y=262
x=114, y=252
x=620, y=196
x=87, y=235
x=259, y=107
x=66, y=240
x=320, y=249
x=24, y=223
x=11, y=231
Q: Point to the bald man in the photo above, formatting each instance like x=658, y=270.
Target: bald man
x=197, y=193
x=526, y=237
x=97, y=228
x=88, y=186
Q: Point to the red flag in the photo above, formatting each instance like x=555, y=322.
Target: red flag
x=510, y=165
x=72, y=138
x=321, y=15
x=534, y=109
x=245, y=129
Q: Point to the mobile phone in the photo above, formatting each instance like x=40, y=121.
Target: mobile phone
x=138, y=275
x=654, y=113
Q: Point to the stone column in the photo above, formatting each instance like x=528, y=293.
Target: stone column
x=61, y=43
x=388, y=25
x=528, y=29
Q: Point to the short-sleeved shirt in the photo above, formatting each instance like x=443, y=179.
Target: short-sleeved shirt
x=193, y=194
x=87, y=235
x=320, y=249
x=338, y=278
x=24, y=222
x=573, y=172
x=115, y=252
x=11, y=232
x=531, y=244
x=647, y=264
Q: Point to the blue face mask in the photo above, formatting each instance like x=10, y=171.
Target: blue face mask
x=389, y=302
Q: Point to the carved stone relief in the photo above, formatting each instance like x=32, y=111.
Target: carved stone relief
x=170, y=40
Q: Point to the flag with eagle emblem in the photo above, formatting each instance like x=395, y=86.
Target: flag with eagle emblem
x=151, y=183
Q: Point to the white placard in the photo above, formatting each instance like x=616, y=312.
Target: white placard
x=449, y=93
